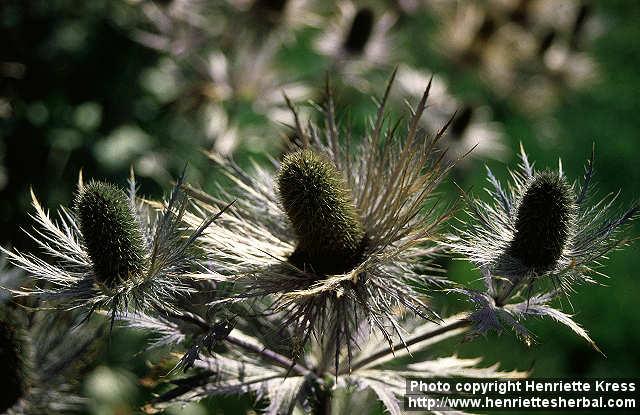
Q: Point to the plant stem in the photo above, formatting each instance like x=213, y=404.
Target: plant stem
x=268, y=354
x=502, y=298
x=411, y=341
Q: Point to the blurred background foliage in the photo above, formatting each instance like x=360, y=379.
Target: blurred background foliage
x=103, y=86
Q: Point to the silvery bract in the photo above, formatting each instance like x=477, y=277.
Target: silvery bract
x=534, y=242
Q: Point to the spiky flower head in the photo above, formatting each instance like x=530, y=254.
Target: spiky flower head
x=315, y=196
x=334, y=236
x=544, y=220
x=111, y=233
x=536, y=240
x=113, y=251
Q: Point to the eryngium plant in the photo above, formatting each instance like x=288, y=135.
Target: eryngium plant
x=112, y=251
x=334, y=237
x=256, y=361
x=534, y=242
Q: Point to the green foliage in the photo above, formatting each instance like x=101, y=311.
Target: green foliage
x=543, y=222
x=111, y=233
x=319, y=204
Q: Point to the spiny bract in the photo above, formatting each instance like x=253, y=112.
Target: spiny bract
x=544, y=220
x=111, y=233
x=318, y=202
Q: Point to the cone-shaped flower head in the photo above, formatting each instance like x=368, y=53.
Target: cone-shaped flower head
x=111, y=233
x=536, y=239
x=317, y=200
x=360, y=31
x=543, y=222
x=341, y=233
x=13, y=369
x=112, y=251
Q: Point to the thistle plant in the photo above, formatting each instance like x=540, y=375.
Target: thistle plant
x=535, y=242
x=334, y=237
x=312, y=290
x=13, y=362
x=112, y=251
x=525, y=50
x=473, y=127
x=249, y=365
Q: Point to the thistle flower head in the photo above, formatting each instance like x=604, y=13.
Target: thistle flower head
x=461, y=121
x=329, y=231
x=535, y=241
x=335, y=236
x=543, y=222
x=113, y=251
x=111, y=233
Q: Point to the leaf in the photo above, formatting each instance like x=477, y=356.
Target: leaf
x=540, y=309
x=385, y=395
x=283, y=394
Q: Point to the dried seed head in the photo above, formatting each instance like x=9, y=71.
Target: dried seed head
x=318, y=202
x=360, y=32
x=111, y=233
x=544, y=219
x=13, y=376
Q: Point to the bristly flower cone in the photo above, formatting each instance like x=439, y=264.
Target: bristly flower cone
x=360, y=31
x=318, y=202
x=543, y=224
x=14, y=379
x=111, y=233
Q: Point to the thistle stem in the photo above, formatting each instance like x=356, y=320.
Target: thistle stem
x=411, y=341
x=271, y=355
x=268, y=354
x=501, y=299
